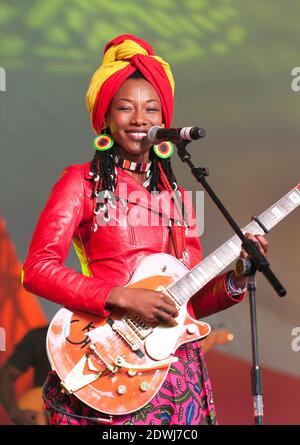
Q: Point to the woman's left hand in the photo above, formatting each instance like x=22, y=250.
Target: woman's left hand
x=263, y=245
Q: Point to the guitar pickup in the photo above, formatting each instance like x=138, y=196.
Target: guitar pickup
x=119, y=329
x=138, y=325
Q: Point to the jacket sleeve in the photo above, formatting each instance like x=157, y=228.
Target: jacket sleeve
x=44, y=272
x=213, y=297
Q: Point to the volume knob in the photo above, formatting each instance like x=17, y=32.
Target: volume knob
x=122, y=389
x=192, y=329
x=144, y=386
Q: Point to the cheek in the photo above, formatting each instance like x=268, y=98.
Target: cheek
x=117, y=122
x=158, y=120
x=113, y=127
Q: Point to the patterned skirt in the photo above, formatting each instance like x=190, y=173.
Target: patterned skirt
x=185, y=398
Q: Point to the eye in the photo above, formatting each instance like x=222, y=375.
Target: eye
x=124, y=108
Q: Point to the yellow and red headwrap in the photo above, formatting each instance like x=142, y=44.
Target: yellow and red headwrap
x=122, y=57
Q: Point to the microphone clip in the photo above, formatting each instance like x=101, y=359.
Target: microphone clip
x=198, y=172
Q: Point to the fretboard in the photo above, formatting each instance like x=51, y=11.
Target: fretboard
x=217, y=261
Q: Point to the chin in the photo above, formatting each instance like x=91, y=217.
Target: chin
x=135, y=149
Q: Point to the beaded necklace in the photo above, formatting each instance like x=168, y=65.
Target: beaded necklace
x=138, y=167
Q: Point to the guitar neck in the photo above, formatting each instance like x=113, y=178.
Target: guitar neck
x=217, y=261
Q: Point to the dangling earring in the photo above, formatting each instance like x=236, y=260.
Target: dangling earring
x=103, y=142
x=164, y=150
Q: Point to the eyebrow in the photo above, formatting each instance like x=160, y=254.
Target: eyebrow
x=129, y=100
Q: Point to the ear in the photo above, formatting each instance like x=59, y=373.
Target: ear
x=105, y=121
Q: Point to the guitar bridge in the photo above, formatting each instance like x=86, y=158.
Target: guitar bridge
x=127, y=337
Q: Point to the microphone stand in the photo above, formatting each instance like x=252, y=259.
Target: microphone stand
x=255, y=261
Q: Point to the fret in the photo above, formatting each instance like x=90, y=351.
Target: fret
x=277, y=212
x=191, y=286
x=174, y=291
x=197, y=275
x=286, y=205
x=281, y=209
x=223, y=252
x=213, y=264
x=217, y=261
x=234, y=246
x=182, y=289
x=209, y=267
x=175, y=297
x=270, y=219
x=208, y=272
x=289, y=206
x=203, y=273
x=254, y=227
x=184, y=283
x=294, y=197
x=195, y=280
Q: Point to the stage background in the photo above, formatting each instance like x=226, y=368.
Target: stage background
x=232, y=61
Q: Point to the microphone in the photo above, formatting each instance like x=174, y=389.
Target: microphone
x=158, y=134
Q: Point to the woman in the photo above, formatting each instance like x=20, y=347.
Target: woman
x=131, y=91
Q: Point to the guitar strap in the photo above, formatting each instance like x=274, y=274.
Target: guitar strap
x=176, y=241
x=175, y=244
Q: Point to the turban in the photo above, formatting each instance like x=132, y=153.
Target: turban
x=122, y=57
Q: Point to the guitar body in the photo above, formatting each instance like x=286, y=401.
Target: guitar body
x=117, y=364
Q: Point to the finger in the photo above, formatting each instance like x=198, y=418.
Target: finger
x=167, y=300
x=263, y=242
x=257, y=240
x=164, y=316
x=171, y=310
x=243, y=254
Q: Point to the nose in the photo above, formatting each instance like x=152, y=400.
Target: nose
x=138, y=118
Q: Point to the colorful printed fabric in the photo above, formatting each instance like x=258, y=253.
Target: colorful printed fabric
x=185, y=398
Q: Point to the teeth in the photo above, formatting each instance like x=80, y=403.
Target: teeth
x=138, y=135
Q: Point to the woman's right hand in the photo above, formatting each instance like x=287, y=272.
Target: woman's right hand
x=152, y=306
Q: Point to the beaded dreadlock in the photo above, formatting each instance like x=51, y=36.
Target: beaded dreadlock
x=103, y=172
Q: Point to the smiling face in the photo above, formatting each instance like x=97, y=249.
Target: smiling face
x=134, y=109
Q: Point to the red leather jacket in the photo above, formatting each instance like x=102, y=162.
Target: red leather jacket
x=109, y=255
